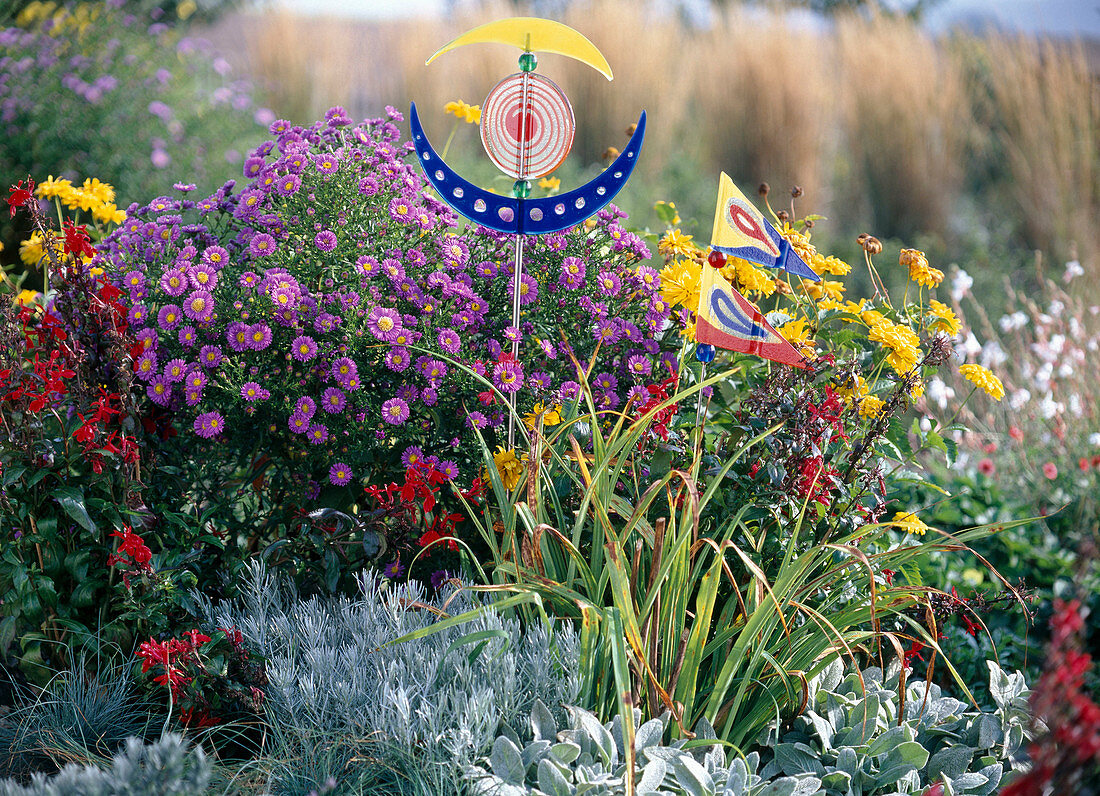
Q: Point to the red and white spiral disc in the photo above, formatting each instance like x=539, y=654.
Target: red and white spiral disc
x=532, y=143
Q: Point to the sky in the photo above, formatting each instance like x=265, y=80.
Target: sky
x=1062, y=17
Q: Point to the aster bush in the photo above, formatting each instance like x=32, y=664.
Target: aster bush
x=329, y=325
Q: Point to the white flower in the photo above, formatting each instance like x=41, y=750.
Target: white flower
x=1065, y=369
x=1094, y=439
x=1019, y=399
x=993, y=355
x=1075, y=404
x=971, y=345
x=1016, y=320
x=1056, y=308
x=938, y=392
x=1073, y=270
x=1048, y=407
x=961, y=284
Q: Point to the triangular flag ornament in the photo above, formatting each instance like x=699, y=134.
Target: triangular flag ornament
x=729, y=320
x=741, y=230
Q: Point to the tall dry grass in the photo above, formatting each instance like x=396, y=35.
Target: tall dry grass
x=886, y=127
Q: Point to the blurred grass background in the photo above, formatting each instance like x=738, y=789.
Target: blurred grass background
x=982, y=149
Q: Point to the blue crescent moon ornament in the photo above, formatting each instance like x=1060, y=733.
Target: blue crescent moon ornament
x=525, y=216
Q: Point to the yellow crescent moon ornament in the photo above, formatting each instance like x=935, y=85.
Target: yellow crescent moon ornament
x=532, y=34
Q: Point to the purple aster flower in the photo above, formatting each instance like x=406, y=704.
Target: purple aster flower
x=210, y=356
x=288, y=185
x=203, y=277
x=327, y=163
x=486, y=269
x=195, y=380
x=395, y=411
x=174, y=282
x=305, y=406
x=429, y=396
x=251, y=392
x=303, y=348
x=412, y=457
x=339, y=474
x=216, y=257
x=168, y=317
x=400, y=209
x=398, y=358
x=146, y=366
x=199, y=306
x=298, y=424
x=236, y=334
x=175, y=370
x=573, y=266
x=192, y=396
x=548, y=349
x=508, y=375
x=209, y=424
x=494, y=348
x=248, y=203
x=325, y=240
x=253, y=166
x=325, y=322
x=608, y=283
x=476, y=420
x=447, y=469
x=455, y=253
x=366, y=265
x=539, y=380
x=159, y=391
x=449, y=341
x=512, y=333
x=394, y=569
x=637, y=396
x=607, y=400
x=528, y=289
x=607, y=331
x=135, y=280
x=333, y=400
x=248, y=279
x=383, y=323
x=259, y=336
x=368, y=186
x=569, y=391
x=343, y=367
x=433, y=370
x=261, y=245
x=650, y=279
x=408, y=393
x=440, y=577
x=639, y=366
x=605, y=381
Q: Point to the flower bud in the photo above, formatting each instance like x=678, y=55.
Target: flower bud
x=872, y=245
x=796, y=192
x=763, y=189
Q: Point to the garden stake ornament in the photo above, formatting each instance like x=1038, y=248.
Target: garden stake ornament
x=527, y=128
x=724, y=317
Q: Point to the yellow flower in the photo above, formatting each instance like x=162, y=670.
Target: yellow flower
x=919, y=270
x=27, y=297
x=798, y=335
x=687, y=331
x=107, y=213
x=917, y=390
x=824, y=289
x=909, y=523
x=853, y=389
x=550, y=417
x=30, y=250
x=982, y=377
x=102, y=191
x=870, y=406
x=747, y=277
x=510, y=468
x=79, y=199
x=51, y=188
x=468, y=113
x=550, y=183
x=945, y=319
x=902, y=342
x=835, y=266
x=676, y=242
x=680, y=284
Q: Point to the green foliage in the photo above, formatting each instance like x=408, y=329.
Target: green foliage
x=865, y=733
x=166, y=767
x=589, y=757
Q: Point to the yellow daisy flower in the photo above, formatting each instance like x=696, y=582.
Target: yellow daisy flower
x=550, y=417
x=902, y=343
x=944, y=319
x=870, y=406
x=510, y=468
x=796, y=333
x=825, y=288
x=680, y=284
x=909, y=523
x=675, y=242
x=550, y=183
x=747, y=277
x=102, y=191
x=983, y=378
x=919, y=269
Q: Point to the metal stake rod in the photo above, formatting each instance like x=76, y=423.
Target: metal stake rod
x=517, y=266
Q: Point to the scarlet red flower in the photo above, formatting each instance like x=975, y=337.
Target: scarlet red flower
x=76, y=240
x=20, y=195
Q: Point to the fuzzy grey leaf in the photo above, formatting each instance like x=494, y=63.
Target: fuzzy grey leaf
x=542, y=722
x=506, y=761
x=552, y=781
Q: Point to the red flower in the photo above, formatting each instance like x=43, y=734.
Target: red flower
x=76, y=240
x=20, y=195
